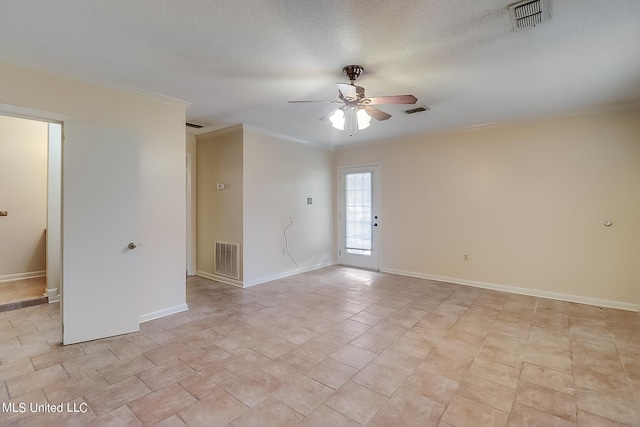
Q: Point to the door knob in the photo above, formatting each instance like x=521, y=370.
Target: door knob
x=131, y=245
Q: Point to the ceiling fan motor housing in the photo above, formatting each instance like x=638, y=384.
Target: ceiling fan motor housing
x=353, y=72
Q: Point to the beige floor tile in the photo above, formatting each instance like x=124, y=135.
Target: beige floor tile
x=525, y=416
x=587, y=419
x=398, y=361
x=208, y=380
x=443, y=355
x=167, y=373
x=466, y=412
x=271, y=412
x=332, y=373
x=244, y=362
x=380, y=379
x=72, y=388
x=324, y=416
x=432, y=386
x=416, y=347
x=354, y=356
x=273, y=347
x=122, y=369
x=303, y=394
x=372, y=342
x=547, y=400
x=254, y=388
x=356, y=402
x=58, y=355
x=113, y=396
x=407, y=408
x=496, y=372
x=121, y=416
x=486, y=391
x=214, y=409
x=606, y=406
x=453, y=369
x=35, y=380
x=205, y=357
x=545, y=377
x=161, y=404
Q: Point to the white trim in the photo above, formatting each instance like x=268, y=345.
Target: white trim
x=23, y=276
x=52, y=294
x=91, y=80
x=189, y=226
x=272, y=277
x=519, y=290
x=217, y=278
x=162, y=313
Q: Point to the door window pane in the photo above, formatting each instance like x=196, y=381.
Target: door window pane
x=358, y=213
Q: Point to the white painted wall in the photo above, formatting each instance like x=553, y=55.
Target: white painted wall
x=159, y=124
x=279, y=176
x=23, y=194
x=527, y=202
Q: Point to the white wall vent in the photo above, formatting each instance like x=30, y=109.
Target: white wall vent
x=226, y=261
x=529, y=13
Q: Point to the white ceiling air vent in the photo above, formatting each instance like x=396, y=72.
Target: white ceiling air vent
x=529, y=13
x=193, y=125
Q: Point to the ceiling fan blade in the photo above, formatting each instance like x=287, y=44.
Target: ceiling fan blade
x=324, y=102
x=347, y=91
x=326, y=116
x=393, y=99
x=376, y=114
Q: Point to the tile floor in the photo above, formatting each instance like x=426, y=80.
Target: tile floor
x=333, y=347
x=19, y=290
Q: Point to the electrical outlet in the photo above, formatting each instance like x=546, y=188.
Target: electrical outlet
x=466, y=257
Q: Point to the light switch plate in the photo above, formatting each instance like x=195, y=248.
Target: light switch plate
x=309, y=200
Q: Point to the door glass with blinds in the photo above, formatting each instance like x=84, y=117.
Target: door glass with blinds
x=359, y=219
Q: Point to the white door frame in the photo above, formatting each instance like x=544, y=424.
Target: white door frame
x=361, y=261
x=190, y=269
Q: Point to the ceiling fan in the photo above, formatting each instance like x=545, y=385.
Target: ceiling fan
x=355, y=109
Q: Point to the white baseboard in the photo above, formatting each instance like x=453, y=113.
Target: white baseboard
x=162, y=313
x=521, y=291
x=282, y=275
x=22, y=276
x=52, y=294
x=217, y=278
x=264, y=279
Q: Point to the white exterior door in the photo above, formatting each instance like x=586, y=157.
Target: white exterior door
x=100, y=218
x=359, y=216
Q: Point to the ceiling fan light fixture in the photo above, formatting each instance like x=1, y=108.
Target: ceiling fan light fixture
x=337, y=119
x=364, y=119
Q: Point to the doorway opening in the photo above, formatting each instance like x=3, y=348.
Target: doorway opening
x=30, y=180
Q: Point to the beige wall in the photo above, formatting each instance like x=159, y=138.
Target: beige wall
x=23, y=194
x=159, y=124
x=279, y=176
x=219, y=212
x=527, y=203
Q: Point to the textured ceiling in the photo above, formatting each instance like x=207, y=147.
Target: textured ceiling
x=240, y=61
